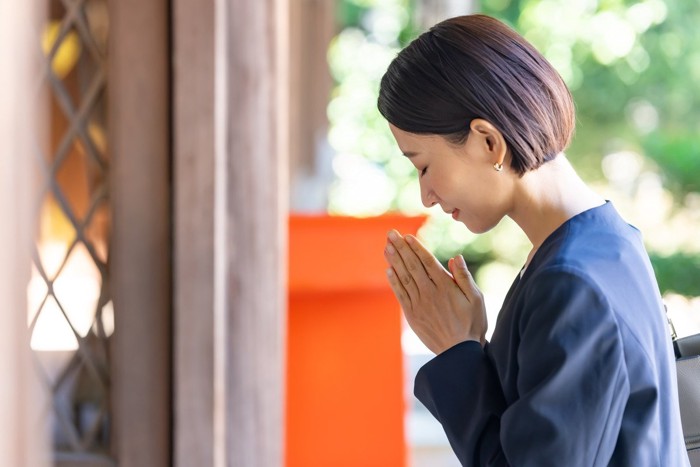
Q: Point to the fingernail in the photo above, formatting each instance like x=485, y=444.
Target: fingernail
x=389, y=272
x=409, y=238
x=393, y=235
x=390, y=249
x=460, y=262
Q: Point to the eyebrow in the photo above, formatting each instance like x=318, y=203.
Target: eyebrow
x=410, y=154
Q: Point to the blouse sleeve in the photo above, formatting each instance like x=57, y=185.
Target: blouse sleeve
x=572, y=384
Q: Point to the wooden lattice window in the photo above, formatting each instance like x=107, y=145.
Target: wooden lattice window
x=70, y=310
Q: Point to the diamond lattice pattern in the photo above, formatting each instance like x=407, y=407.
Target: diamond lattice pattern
x=70, y=310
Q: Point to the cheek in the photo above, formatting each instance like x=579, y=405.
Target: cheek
x=464, y=192
x=452, y=185
x=488, y=212
x=480, y=209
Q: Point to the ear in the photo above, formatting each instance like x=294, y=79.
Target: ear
x=490, y=140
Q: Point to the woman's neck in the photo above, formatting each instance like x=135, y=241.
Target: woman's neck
x=549, y=196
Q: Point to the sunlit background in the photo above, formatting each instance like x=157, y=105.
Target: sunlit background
x=633, y=68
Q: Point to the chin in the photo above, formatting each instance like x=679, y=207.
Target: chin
x=479, y=228
x=478, y=231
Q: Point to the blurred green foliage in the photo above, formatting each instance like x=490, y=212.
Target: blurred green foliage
x=647, y=100
x=673, y=275
x=633, y=68
x=677, y=151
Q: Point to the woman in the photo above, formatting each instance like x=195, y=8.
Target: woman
x=580, y=369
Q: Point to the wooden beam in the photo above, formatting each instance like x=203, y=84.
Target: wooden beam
x=140, y=257
x=194, y=178
x=251, y=231
x=230, y=89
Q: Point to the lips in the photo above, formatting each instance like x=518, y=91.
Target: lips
x=453, y=212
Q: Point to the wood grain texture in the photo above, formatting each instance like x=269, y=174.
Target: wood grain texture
x=255, y=228
x=230, y=230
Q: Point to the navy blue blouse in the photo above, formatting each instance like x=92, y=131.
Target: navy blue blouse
x=579, y=371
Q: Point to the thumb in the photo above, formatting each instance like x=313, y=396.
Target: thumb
x=463, y=278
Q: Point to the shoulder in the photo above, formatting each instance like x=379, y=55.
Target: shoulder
x=598, y=250
x=563, y=288
x=596, y=282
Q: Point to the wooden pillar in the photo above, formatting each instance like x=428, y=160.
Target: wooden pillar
x=194, y=178
x=230, y=91
x=251, y=231
x=139, y=137
x=312, y=27
x=21, y=444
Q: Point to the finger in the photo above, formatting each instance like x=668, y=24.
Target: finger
x=399, y=290
x=464, y=279
x=413, y=264
x=430, y=263
x=401, y=272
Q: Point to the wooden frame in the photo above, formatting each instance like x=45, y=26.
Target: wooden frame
x=229, y=231
x=193, y=94
x=139, y=129
x=230, y=151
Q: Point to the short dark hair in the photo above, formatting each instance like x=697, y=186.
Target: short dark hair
x=471, y=67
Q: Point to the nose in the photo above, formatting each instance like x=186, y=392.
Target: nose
x=427, y=195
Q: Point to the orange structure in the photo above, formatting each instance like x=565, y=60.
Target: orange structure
x=345, y=394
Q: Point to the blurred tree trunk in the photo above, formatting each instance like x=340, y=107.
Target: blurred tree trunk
x=430, y=12
x=312, y=27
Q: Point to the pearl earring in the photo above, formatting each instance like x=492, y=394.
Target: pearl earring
x=497, y=166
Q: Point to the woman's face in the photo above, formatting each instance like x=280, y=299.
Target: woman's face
x=461, y=178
